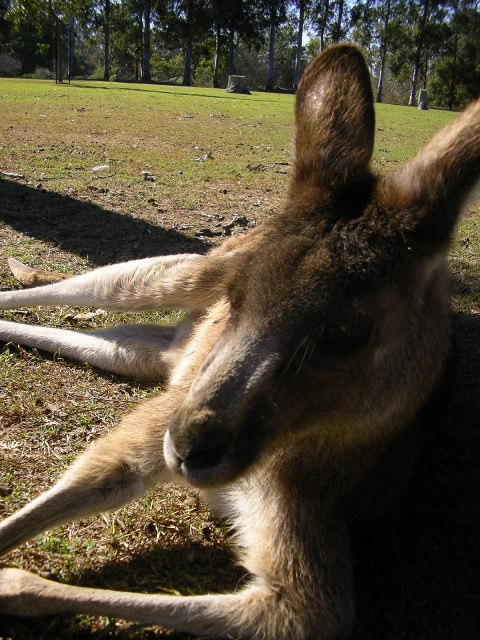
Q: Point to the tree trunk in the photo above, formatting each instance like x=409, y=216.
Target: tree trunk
x=323, y=25
x=453, y=75
x=271, y=49
x=412, y=100
x=58, y=53
x=139, y=48
x=231, y=51
x=425, y=70
x=55, y=41
x=298, y=57
x=71, y=47
x=216, y=58
x=337, y=32
x=188, y=50
x=106, y=41
x=384, y=48
x=146, y=74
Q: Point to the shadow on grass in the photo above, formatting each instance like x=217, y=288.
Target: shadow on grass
x=188, y=94
x=191, y=569
x=85, y=229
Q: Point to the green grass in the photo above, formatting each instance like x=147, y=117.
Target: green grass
x=210, y=158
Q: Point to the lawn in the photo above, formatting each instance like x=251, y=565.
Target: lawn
x=92, y=173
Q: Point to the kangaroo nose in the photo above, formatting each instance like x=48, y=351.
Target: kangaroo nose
x=207, y=450
x=200, y=440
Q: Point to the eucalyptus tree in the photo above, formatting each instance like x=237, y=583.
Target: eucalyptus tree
x=321, y=16
x=302, y=6
x=372, y=30
x=4, y=25
x=455, y=78
x=37, y=31
x=275, y=15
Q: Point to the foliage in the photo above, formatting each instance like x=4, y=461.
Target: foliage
x=409, y=44
x=456, y=78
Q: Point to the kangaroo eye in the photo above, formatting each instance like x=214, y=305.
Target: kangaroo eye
x=347, y=338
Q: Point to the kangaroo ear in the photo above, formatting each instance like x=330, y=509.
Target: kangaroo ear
x=426, y=196
x=335, y=120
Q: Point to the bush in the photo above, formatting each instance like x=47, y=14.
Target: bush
x=40, y=73
x=9, y=66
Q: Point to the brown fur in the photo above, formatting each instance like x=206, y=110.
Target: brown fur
x=297, y=388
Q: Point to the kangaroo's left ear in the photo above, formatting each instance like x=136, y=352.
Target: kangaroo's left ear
x=335, y=121
x=425, y=197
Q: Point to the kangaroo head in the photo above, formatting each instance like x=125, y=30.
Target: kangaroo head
x=335, y=326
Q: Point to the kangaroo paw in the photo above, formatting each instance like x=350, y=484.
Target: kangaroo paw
x=31, y=277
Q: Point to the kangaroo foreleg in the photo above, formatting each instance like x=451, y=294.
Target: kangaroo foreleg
x=187, y=281
x=143, y=352
x=114, y=470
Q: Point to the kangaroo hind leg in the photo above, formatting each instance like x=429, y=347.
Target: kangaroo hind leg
x=143, y=352
x=186, y=281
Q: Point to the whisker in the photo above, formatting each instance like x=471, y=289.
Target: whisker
x=308, y=344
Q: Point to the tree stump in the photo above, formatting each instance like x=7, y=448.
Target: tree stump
x=237, y=84
x=422, y=100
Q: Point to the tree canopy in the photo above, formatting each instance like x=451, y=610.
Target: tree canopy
x=409, y=44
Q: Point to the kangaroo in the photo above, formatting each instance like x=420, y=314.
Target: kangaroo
x=313, y=348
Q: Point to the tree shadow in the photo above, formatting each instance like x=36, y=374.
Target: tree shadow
x=190, y=568
x=188, y=94
x=86, y=229
x=417, y=571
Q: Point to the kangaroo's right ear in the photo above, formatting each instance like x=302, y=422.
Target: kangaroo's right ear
x=335, y=121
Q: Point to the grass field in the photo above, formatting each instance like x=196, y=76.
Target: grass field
x=92, y=173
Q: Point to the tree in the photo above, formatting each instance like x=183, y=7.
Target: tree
x=30, y=38
x=146, y=75
x=275, y=15
x=384, y=44
x=338, y=30
x=371, y=22
x=106, y=40
x=5, y=29
x=301, y=4
x=320, y=15
x=244, y=21
x=126, y=39
x=216, y=9
x=422, y=21
x=455, y=79
x=232, y=22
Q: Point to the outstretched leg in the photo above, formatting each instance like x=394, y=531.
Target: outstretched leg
x=186, y=281
x=143, y=352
